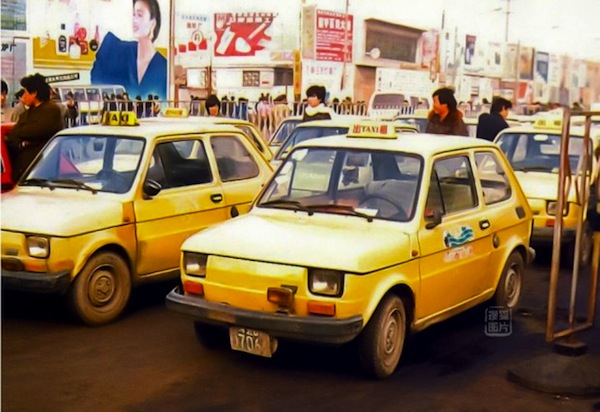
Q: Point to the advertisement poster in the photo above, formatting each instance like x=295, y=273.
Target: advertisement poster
x=308, y=32
x=100, y=40
x=430, y=41
x=509, y=62
x=541, y=66
x=14, y=15
x=526, y=63
x=334, y=36
x=494, y=59
x=470, y=49
x=242, y=34
x=192, y=37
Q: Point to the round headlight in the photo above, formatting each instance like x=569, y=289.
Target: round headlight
x=38, y=246
x=325, y=282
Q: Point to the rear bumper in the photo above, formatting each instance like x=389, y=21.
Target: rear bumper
x=306, y=328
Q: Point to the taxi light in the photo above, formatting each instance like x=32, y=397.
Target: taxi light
x=38, y=246
x=119, y=118
x=325, y=282
x=321, y=308
x=374, y=130
x=195, y=263
x=193, y=288
x=548, y=123
x=280, y=296
x=175, y=112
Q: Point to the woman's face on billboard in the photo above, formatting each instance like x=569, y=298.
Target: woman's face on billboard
x=143, y=23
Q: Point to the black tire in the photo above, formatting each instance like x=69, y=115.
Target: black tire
x=101, y=290
x=510, y=285
x=382, y=340
x=587, y=243
x=210, y=336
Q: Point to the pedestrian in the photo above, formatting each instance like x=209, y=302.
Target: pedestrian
x=72, y=110
x=35, y=126
x=315, y=109
x=445, y=118
x=6, y=108
x=490, y=124
x=19, y=107
x=213, y=106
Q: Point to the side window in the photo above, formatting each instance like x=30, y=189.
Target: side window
x=494, y=182
x=233, y=159
x=181, y=163
x=456, y=184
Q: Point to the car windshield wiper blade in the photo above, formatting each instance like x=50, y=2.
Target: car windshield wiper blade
x=37, y=182
x=346, y=208
x=287, y=204
x=533, y=169
x=76, y=183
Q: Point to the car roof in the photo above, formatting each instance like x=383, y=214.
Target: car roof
x=337, y=121
x=149, y=130
x=419, y=143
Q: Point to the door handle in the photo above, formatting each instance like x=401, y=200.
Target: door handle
x=216, y=198
x=484, y=224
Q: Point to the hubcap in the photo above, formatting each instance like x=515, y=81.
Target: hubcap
x=513, y=287
x=101, y=287
x=392, y=336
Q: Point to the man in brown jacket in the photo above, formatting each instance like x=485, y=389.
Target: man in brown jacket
x=445, y=118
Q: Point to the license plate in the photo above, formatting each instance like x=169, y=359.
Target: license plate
x=250, y=341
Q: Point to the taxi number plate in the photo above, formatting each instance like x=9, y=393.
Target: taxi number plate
x=250, y=341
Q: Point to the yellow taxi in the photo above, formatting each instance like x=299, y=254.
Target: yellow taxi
x=107, y=207
x=283, y=130
x=368, y=235
x=534, y=153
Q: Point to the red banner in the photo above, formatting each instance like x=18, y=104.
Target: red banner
x=241, y=34
x=334, y=36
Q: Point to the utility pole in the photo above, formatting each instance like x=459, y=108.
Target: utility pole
x=507, y=20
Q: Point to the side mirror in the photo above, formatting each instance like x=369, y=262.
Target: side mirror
x=433, y=217
x=151, y=188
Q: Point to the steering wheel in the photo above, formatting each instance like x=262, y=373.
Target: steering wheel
x=401, y=213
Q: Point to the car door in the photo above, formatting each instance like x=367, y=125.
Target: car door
x=240, y=168
x=455, y=254
x=191, y=199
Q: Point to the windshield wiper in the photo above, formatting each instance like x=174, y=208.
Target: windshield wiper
x=37, y=182
x=76, y=183
x=345, y=208
x=533, y=169
x=287, y=204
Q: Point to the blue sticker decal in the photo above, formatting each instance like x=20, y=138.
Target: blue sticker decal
x=465, y=235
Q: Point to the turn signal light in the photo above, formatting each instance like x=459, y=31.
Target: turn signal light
x=280, y=296
x=193, y=288
x=321, y=308
x=550, y=222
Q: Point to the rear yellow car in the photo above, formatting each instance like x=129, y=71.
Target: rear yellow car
x=107, y=207
x=534, y=153
x=367, y=236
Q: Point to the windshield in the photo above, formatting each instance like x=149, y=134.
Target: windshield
x=96, y=163
x=301, y=134
x=361, y=182
x=538, y=151
x=283, y=131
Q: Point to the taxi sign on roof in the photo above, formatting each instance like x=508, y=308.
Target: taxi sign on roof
x=376, y=130
x=548, y=123
x=118, y=118
x=175, y=112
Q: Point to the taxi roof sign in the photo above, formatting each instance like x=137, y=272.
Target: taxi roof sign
x=175, y=112
x=373, y=130
x=548, y=123
x=118, y=118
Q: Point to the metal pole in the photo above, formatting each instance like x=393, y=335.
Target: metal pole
x=171, y=52
x=507, y=19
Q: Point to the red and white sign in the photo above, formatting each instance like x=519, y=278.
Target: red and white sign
x=241, y=34
x=334, y=36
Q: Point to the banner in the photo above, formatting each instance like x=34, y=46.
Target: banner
x=541, y=66
x=430, y=43
x=308, y=40
x=470, y=49
x=242, y=34
x=526, y=63
x=334, y=36
x=509, y=62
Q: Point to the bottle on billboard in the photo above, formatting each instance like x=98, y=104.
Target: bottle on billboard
x=62, y=42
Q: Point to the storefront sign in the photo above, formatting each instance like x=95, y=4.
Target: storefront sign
x=334, y=36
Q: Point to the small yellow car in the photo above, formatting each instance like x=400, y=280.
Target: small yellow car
x=368, y=235
x=107, y=207
x=534, y=153
x=284, y=129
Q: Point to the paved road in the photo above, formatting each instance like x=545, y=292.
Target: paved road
x=150, y=361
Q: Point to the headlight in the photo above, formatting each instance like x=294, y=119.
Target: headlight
x=551, y=209
x=325, y=282
x=38, y=246
x=195, y=263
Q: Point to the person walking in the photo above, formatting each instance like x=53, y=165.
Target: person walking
x=490, y=124
x=315, y=109
x=445, y=118
x=35, y=126
x=213, y=106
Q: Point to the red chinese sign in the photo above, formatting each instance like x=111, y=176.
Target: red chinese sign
x=241, y=34
x=334, y=36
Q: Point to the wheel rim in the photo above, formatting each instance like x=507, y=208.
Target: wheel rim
x=512, y=286
x=101, y=287
x=392, y=337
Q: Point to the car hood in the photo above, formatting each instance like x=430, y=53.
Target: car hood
x=347, y=243
x=59, y=213
x=539, y=185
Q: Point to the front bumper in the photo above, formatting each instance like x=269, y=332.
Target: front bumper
x=306, y=328
x=53, y=283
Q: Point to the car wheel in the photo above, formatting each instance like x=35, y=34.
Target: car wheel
x=382, y=340
x=101, y=290
x=508, y=291
x=210, y=336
